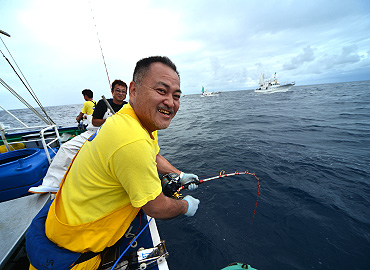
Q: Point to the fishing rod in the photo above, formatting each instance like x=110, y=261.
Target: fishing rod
x=101, y=48
x=108, y=105
x=177, y=195
x=222, y=174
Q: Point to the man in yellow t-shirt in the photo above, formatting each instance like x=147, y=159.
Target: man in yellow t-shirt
x=88, y=107
x=115, y=173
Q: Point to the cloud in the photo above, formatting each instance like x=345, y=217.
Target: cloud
x=223, y=44
x=306, y=56
x=349, y=55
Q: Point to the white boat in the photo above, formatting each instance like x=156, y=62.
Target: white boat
x=205, y=93
x=272, y=85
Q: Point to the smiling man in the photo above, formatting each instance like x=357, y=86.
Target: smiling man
x=68, y=150
x=160, y=87
x=101, y=112
x=115, y=173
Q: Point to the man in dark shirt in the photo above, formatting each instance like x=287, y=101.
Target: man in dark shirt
x=102, y=112
x=67, y=151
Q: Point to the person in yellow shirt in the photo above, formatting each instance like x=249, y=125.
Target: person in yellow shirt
x=115, y=175
x=88, y=107
x=67, y=150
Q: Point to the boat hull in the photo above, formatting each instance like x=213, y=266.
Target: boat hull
x=274, y=89
x=20, y=170
x=209, y=95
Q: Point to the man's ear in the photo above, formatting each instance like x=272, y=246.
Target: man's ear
x=132, y=91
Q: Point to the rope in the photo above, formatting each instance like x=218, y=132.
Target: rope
x=101, y=49
x=4, y=33
x=27, y=85
x=11, y=90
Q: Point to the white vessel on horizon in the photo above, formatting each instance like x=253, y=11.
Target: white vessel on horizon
x=272, y=85
x=205, y=93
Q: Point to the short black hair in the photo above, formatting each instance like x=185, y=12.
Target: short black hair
x=88, y=93
x=142, y=66
x=118, y=82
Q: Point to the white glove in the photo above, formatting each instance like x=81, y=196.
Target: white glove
x=189, y=179
x=192, y=205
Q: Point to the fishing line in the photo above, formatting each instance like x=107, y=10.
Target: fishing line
x=101, y=49
x=222, y=175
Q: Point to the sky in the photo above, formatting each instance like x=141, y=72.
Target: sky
x=221, y=45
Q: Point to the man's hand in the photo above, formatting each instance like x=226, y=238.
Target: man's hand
x=192, y=205
x=189, y=179
x=79, y=117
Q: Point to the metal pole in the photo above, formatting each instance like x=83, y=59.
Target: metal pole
x=108, y=105
x=14, y=117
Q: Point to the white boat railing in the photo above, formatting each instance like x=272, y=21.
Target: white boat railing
x=47, y=145
x=46, y=142
x=2, y=134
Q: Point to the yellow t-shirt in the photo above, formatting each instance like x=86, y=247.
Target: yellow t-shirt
x=88, y=107
x=117, y=168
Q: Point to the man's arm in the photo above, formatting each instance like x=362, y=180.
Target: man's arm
x=164, y=207
x=79, y=117
x=97, y=122
x=98, y=114
x=164, y=166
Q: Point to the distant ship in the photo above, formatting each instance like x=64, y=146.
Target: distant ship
x=272, y=85
x=205, y=93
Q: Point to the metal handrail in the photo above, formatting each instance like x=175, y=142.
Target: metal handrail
x=4, y=138
x=47, y=146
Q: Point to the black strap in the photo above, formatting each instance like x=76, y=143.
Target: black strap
x=86, y=256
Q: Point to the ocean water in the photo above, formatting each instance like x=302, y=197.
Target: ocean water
x=310, y=149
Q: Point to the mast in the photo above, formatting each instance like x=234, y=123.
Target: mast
x=262, y=79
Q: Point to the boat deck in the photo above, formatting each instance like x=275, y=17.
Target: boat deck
x=15, y=218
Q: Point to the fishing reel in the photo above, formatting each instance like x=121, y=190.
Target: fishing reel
x=171, y=184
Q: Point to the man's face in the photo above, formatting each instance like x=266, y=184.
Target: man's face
x=119, y=94
x=156, y=99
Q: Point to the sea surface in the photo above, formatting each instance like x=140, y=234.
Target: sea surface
x=310, y=149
